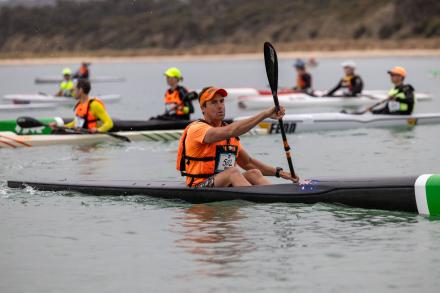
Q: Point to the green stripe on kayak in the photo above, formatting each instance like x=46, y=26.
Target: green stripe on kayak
x=427, y=191
x=11, y=125
x=433, y=194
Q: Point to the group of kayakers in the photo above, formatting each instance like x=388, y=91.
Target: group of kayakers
x=400, y=98
x=209, y=150
x=67, y=87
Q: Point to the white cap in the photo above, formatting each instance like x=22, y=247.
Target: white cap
x=348, y=63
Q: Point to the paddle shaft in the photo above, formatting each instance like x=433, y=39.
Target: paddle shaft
x=373, y=106
x=117, y=136
x=36, y=122
x=271, y=63
x=284, y=137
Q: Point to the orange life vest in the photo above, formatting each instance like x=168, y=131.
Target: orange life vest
x=214, y=159
x=173, y=102
x=300, y=82
x=83, y=117
x=84, y=71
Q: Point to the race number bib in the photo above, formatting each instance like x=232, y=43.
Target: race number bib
x=225, y=157
x=393, y=106
x=224, y=161
x=79, y=122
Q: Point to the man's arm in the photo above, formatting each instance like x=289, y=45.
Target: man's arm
x=247, y=162
x=333, y=90
x=99, y=112
x=409, y=95
x=240, y=127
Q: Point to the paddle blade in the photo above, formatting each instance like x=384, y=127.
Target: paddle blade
x=191, y=96
x=28, y=122
x=120, y=137
x=271, y=62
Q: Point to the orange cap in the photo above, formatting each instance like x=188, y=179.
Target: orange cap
x=398, y=70
x=210, y=93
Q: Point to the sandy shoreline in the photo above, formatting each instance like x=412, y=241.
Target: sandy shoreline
x=208, y=57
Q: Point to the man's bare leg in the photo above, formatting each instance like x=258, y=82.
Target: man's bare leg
x=231, y=176
x=255, y=177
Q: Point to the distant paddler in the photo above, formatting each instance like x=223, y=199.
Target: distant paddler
x=400, y=98
x=83, y=72
x=303, y=78
x=351, y=84
x=66, y=86
x=177, y=105
x=90, y=113
x=210, y=150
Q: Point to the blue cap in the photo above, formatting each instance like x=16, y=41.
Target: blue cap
x=299, y=63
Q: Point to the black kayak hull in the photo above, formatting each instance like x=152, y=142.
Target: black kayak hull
x=394, y=194
x=153, y=124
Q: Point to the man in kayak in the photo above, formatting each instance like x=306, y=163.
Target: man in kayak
x=90, y=113
x=303, y=78
x=351, y=84
x=209, y=150
x=83, y=71
x=177, y=105
x=66, y=86
x=401, y=98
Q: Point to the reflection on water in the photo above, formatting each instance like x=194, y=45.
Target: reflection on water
x=210, y=232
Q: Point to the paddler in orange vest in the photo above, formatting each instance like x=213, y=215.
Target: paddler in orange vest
x=303, y=78
x=209, y=150
x=177, y=106
x=351, y=84
x=83, y=71
x=90, y=113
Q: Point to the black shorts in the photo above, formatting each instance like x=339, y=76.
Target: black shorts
x=208, y=183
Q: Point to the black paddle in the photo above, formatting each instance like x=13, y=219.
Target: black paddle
x=29, y=122
x=271, y=62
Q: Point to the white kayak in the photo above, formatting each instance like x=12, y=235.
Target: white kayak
x=301, y=100
x=294, y=123
x=58, y=79
x=238, y=92
x=40, y=98
x=10, y=139
x=26, y=107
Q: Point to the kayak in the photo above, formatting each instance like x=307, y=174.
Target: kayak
x=294, y=123
x=237, y=92
x=58, y=79
x=118, y=125
x=301, y=100
x=414, y=194
x=41, y=98
x=10, y=139
x=26, y=107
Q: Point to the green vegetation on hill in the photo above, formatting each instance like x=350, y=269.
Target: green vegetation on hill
x=180, y=25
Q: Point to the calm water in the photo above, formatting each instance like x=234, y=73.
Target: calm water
x=67, y=242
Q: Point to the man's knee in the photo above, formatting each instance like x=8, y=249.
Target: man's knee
x=254, y=173
x=233, y=171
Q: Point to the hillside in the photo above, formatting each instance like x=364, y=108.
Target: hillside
x=216, y=26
